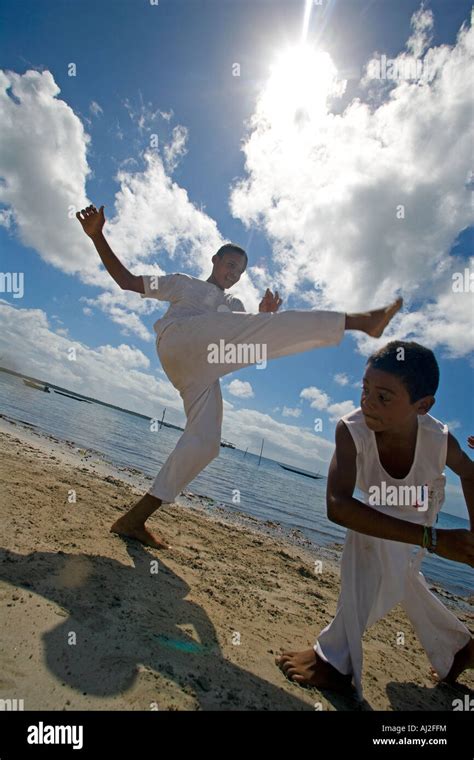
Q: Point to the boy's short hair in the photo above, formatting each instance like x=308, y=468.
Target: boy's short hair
x=231, y=248
x=415, y=365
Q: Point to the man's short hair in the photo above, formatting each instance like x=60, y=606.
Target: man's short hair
x=232, y=248
x=415, y=365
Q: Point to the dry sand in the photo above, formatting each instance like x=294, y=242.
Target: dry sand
x=90, y=621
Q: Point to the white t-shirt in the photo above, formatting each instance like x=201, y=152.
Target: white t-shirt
x=188, y=297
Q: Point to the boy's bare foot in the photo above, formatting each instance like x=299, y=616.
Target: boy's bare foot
x=123, y=527
x=373, y=322
x=308, y=669
x=463, y=660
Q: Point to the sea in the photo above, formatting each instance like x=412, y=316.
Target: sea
x=235, y=479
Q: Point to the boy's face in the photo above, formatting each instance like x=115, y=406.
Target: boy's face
x=386, y=404
x=228, y=269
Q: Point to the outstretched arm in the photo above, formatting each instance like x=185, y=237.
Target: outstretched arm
x=92, y=222
x=270, y=302
x=345, y=510
x=460, y=463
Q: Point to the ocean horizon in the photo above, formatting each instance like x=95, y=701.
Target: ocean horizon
x=266, y=492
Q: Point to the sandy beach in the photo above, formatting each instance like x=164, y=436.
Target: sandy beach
x=91, y=621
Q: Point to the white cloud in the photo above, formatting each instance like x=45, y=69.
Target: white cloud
x=289, y=412
x=444, y=325
x=422, y=25
x=341, y=378
x=115, y=374
x=44, y=168
x=283, y=442
x=43, y=163
x=120, y=306
x=95, y=108
x=322, y=402
x=6, y=218
x=176, y=149
x=319, y=399
x=338, y=410
x=240, y=388
x=332, y=183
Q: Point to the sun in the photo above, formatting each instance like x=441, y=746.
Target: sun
x=301, y=79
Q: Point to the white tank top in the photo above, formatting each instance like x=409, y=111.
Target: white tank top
x=377, y=573
x=427, y=470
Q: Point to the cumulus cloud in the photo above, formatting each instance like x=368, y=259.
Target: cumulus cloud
x=44, y=170
x=422, y=25
x=240, y=388
x=341, y=378
x=339, y=409
x=321, y=401
x=119, y=375
x=283, y=442
x=318, y=399
x=367, y=201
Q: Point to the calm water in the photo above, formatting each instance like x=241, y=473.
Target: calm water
x=267, y=492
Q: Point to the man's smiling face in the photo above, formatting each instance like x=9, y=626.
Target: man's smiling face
x=228, y=269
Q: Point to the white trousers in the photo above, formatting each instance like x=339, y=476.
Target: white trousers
x=377, y=574
x=183, y=349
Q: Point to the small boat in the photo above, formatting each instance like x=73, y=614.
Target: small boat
x=227, y=445
x=316, y=475
x=76, y=398
x=37, y=386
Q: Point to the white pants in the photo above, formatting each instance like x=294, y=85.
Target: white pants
x=183, y=352
x=377, y=574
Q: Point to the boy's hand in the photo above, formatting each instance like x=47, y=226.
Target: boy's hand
x=457, y=545
x=92, y=220
x=270, y=302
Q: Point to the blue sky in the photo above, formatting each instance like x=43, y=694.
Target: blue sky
x=312, y=199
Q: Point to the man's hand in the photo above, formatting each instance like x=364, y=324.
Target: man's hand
x=270, y=302
x=92, y=220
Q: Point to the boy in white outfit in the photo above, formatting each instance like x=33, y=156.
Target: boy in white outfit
x=204, y=335
x=395, y=453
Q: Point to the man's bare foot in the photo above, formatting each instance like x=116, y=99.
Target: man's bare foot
x=308, y=669
x=463, y=660
x=373, y=322
x=124, y=528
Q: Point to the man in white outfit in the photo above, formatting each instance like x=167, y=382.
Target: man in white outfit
x=395, y=453
x=204, y=335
